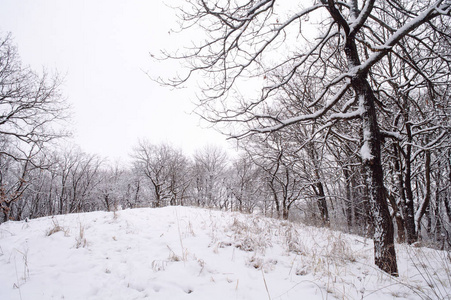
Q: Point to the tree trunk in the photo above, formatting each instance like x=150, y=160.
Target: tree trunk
x=384, y=248
x=400, y=219
x=349, y=203
x=322, y=204
x=6, y=209
x=439, y=237
x=319, y=190
x=285, y=212
x=409, y=218
x=447, y=198
x=275, y=197
x=364, y=215
x=424, y=206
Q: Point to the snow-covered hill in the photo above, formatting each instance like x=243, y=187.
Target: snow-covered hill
x=191, y=253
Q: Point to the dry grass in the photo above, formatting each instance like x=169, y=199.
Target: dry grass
x=57, y=228
x=438, y=280
x=80, y=238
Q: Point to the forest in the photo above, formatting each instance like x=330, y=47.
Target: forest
x=348, y=129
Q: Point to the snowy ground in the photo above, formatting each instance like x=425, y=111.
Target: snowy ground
x=190, y=253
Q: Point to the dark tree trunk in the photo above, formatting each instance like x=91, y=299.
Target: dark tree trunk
x=399, y=220
x=322, y=204
x=384, y=247
x=412, y=236
x=363, y=215
x=275, y=197
x=424, y=207
x=285, y=212
x=319, y=188
x=6, y=209
x=402, y=198
x=438, y=218
x=349, y=203
x=447, y=198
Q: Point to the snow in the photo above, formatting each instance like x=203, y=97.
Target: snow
x=365, y=152
x=192, y=253
x=258, y=5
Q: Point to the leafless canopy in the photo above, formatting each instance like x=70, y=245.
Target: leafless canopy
x=246, y=51
x=30, y=105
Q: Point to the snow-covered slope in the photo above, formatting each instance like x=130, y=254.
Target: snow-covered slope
x=191, y=253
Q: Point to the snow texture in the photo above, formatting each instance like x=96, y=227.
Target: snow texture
x=365, y=152
x=190, y=253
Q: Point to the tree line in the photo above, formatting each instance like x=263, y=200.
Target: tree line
x=319, y=185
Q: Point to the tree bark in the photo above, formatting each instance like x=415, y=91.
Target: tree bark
x=384, y=248
x=402, y=198
x=437, y=211
x=322, y=204
x=412, y=235
x=349, y=203
x=448, y=197
x=424, y=206
x=398, y=218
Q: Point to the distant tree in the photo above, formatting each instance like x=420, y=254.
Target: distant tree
x=14, y=181
x=111, y=187
x=79, y=175
x=284, y=173
x=209, y=171
x=164, y=168
x=244, y=181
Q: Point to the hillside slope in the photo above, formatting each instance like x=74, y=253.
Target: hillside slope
x=191, y=253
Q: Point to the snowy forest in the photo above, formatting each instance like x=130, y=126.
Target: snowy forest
x=347, y=128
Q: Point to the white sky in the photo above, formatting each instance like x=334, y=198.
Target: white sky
x=102, y=47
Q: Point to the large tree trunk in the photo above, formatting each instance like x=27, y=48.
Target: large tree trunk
x=384, y=248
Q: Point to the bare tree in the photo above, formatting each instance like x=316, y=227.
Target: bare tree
x=30, y=108
x=14, y=181
x=109, y=191
x=165, y=169
x=253, y=39
x=30, y=105
x=284, y=173
x=79, y=179
x=210, y=164
x=245, y=184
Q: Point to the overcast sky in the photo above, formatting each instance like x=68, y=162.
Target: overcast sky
x=102, y=49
